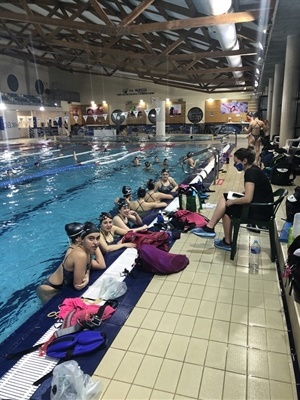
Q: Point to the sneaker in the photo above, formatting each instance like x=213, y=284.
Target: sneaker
x=202, y=233
x=220, y=244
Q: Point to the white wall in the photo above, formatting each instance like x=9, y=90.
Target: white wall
x=26, y=73
x=99, y=88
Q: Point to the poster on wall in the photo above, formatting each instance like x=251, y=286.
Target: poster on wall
x=94, y=111
x=175, y=109
x=134, y=109
x=234, y=107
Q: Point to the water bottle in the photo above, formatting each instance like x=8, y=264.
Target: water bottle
x=254, y=257
x=160, y=218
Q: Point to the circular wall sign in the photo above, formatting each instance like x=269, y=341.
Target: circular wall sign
x=39, y=86
x=12, y=83
x=117, y=117
x=195, y=115
x=152, y=116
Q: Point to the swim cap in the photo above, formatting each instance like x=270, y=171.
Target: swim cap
x=164, y=171
x=89, y=228
x=150, y=184
x=74, y=229
x=126, y=190
x=147, y=164
x=122, y=202
x=104, y=215
x=189, y=154
x=141, y=192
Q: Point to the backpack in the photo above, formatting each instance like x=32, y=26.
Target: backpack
x=152, y=259
x=185, y=220
x=159, y=239
x=292, y=204
x=291, y=270
x=282, y=174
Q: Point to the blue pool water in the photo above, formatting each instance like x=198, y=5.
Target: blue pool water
x=34, y=212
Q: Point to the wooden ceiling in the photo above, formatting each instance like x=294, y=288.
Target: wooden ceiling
x=165, y=42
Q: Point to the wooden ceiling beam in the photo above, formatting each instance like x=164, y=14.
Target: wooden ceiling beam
x=187, y=23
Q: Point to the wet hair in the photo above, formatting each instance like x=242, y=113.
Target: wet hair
x=126, y=190
x=150, y=184
x=74, y=229
x=147, y=164
x=255, y=114
x=89, y=228
x=189, y=154
x=249, y=114
x=103, y=216
x=243, y=153
x=122, y=202
x=165, y=170
x=141, y=192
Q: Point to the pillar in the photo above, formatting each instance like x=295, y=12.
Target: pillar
x=270, y=99
x=290, y=89
x=276, y=101
x=160, y=118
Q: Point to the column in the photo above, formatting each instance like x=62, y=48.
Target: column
x=160, y=118
x=290, y=89
x=276, y=102
x=270, y=99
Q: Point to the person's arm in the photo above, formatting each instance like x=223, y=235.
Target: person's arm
x=81, y=276
x=165, y=196
x=134, y=217
x=175, y=188
x=157, y=204
x=248, y=197
x=157, y=185
x=106, y=248
x=98, y=262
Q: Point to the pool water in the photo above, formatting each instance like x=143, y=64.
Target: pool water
x=35, y=211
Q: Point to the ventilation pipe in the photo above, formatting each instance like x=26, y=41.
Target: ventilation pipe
x=225, y=34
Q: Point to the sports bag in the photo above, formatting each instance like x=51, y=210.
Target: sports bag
x=190, y=198
x=152, y=259
x=292, y=204
x=159, y=239
x=291, y=270
x=186, y=220
x=282, y=174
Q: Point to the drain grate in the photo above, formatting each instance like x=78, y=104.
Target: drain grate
x=17, y=383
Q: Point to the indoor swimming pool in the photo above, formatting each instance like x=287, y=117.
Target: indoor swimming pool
x=59, y=190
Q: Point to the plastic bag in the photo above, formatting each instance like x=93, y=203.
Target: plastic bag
x=111, y=288
x=70, y=383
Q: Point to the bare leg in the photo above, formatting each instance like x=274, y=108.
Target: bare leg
x=257, y=151
x=218, y=213
x=227, y=227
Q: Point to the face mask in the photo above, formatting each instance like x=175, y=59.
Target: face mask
x=239, y=166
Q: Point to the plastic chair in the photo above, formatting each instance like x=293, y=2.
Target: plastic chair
x=278, y=195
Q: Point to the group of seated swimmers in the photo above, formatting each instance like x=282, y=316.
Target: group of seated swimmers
x=89, y=243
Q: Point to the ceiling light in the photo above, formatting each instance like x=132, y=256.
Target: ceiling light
x=2, y=106
x=42, y=108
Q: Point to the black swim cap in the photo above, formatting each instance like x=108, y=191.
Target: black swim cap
x=141, y=192
x=74, y=229
x=151, y=184
x=104, y=215
x=126, y=190
x=122, y=202
x=89, y=228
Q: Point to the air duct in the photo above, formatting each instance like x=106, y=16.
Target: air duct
x=225, y=34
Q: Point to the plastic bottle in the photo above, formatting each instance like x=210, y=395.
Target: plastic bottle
x=296, y=225
x=160, y=218
x=254, y=257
